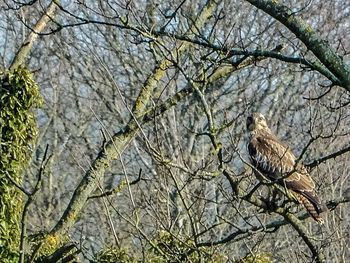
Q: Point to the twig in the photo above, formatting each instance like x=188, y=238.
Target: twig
x=30, y=199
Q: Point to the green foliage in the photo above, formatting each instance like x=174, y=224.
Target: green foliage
x=18, y=96
x=166, y=248
x=116, y=255
x=256, y=258
x=169, y=248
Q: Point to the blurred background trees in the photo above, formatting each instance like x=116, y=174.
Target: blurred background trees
x=141, y=149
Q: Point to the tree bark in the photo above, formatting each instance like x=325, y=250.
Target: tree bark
x=23, y=52
x=120, y=140
x=312, y=40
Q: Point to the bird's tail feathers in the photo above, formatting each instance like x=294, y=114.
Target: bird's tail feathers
x=314, y=210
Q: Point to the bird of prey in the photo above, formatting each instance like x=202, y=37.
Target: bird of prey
x=275, y=161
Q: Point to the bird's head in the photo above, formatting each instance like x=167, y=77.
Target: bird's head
x=256, y=121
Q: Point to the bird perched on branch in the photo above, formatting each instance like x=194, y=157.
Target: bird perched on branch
x=275, y=161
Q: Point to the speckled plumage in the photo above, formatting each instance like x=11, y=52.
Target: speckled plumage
x=276, y=161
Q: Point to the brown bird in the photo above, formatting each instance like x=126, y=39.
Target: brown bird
x=275, y=161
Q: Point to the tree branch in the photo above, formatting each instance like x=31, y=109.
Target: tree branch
x=313, y=41
x=292, y=219
x=327, y=157
x=119, y=141
x=27, y=44
x=154, y=33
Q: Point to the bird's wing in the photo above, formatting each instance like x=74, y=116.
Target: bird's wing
x=270, y=156
x=302, y=183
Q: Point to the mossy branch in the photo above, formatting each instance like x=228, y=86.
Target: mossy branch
x=120, y=140
x=312, y=40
